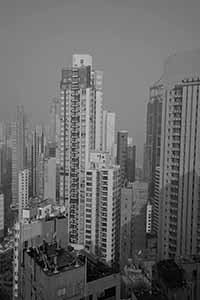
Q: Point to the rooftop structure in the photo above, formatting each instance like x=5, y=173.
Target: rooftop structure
x=65, y=272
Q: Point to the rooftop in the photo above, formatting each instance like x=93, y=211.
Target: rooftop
x=96, y=269
x=53, y=260
x=38, y=202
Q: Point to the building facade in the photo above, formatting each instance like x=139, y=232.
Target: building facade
x=23, y=197
x=179, y=207
x=50, y=179
x=39, y=222
x=72, y=277
x=126, y=225
x=80, y=132
x=6, y=271
x=2, y=216
x=153, y=134
x=155, y=201
x=131, y=160
x=140, y=198
x=109, y=132
x=122, y=153
x=134, y=199
x=18, y=151
x=102, y=208
x=149, y=217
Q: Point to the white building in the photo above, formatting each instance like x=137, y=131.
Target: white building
x=179, y=226
x=130, y=141
x=1, y=215
x=149, y=218
x=37, y=162
x=102, y=209
x=23, y=190
x=109, y=132
x=80, y=132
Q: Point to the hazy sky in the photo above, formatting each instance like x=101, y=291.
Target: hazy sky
x=128, y=39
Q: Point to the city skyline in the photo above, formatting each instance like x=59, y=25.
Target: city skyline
x=37, y=39
x=99, y=150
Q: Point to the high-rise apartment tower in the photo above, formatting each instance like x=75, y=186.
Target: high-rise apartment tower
x=80, y=132
x=179, y=210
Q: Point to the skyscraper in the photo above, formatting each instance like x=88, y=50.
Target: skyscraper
x=18, y=151
x=38, y=143
x=126, y=224
x=109, y=131
x=122, y=153
x=14, y=165
x=102, y=206
x=80, y=132
x=131, y=157
x=179, y=210
x=153, y=134
x=140, y=197
x=155, y=201
x=6, y=173
x=54, y=117
x=133, y=220
x=50, y=179
x=54, y=126
x=23, y=190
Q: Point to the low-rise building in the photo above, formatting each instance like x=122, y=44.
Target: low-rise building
x=55, y=273
x=169, y=278
x=191, y=268
x=6, y=270
x=40, y=221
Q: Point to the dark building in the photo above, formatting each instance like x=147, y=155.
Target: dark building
x=153, y=134
x=122, y=153
x=191, y=268
x=169, y=278
x=6, y=182
x=52, y=273
x=133, y=220
x=37, y=151
x=131, y=155
x=6, y=271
